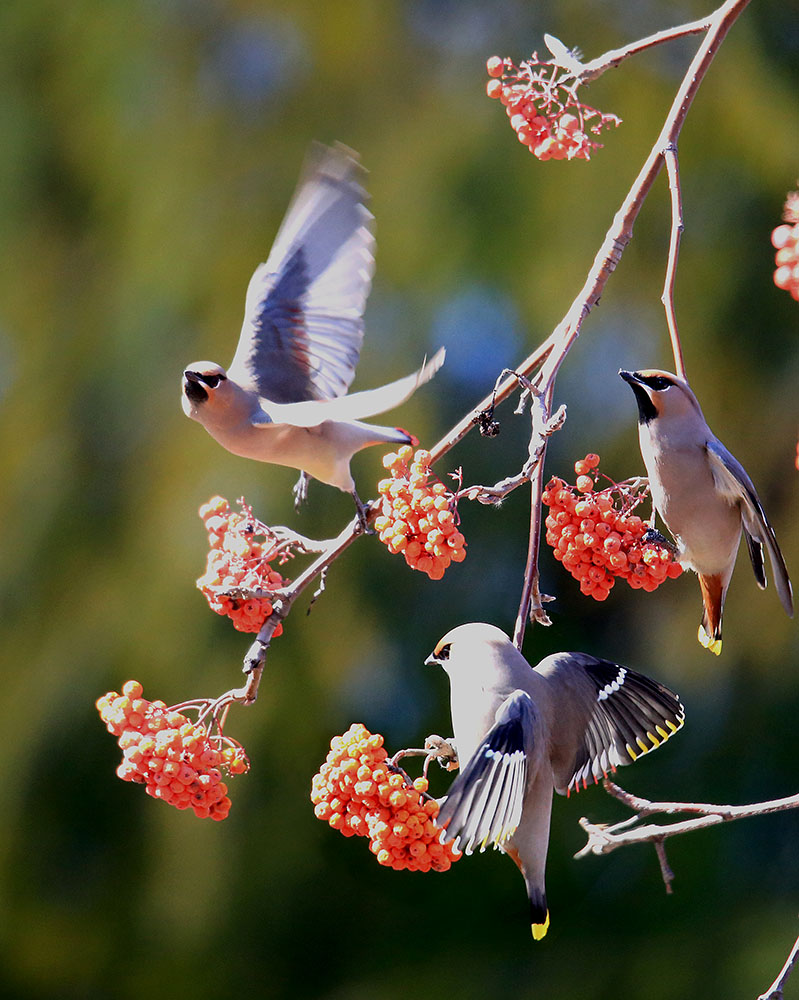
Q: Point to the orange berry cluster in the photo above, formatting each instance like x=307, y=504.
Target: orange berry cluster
x=785, y=240
x=237, y=560
x=357, y=793
x=598, y=538
x=174, y=758
x=418, y=518
x=545, y=114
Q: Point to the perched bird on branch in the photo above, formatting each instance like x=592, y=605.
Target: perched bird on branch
x=703, y=495
x=284, y=397
x=522, y=731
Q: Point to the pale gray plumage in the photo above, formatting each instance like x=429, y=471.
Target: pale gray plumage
x=522, y=732
x=283, y=400
x=703, y=495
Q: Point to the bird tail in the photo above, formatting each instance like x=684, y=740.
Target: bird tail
x=709, y=634
x=412, y=439
x=539, y=913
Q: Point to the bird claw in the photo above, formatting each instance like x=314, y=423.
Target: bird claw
x=652, y=535
x=443, y=750
x=363, y=512
x=300, y=490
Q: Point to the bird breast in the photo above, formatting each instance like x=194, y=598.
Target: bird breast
x=705, y=523
x=473, y=710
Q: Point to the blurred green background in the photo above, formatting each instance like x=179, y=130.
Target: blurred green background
x=149, y=149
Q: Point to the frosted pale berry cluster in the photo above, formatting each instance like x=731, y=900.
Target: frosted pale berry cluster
x=418, y=517
x=785, y=240
x=598, y=538
x=240, y=551
x=175, y=759
x=545, y=114
x=358, y=794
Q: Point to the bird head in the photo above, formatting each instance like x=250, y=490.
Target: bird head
x=452, y=651
x=201, y=382
x=660, y=394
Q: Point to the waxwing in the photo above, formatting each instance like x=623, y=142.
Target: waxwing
x=703, y=495
x=521, y=732
x=284, y=397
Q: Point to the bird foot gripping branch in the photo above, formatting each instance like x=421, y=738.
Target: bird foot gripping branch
x=360, y=792
x=597, y=537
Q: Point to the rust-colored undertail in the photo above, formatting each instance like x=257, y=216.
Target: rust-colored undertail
x=709, y=634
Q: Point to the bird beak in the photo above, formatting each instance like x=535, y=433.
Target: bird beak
x=647, y=410
x=193, y=387
x=431, y=661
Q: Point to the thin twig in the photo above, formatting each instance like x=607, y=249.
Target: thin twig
x=614, y=57
x=774, y=992
x=498, y=395
x=677, y=226
x=530, y=605
x=665, y=868
x=602, y=839
x=542, y=427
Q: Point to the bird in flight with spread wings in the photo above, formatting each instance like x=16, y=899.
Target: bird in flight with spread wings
x=284, y=399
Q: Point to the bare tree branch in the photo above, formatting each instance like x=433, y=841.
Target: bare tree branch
x=603, y=838
x=613, y=58
x=673, y=169
x=774, y=992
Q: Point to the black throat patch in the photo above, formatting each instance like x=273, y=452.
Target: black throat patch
x=646, y=408
x=194, y=391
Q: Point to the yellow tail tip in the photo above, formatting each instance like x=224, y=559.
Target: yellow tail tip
x=714, y=645
x=540, y=930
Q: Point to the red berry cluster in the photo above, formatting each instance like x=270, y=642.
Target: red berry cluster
x=418, y=518
x=598, y=538
x=237, y=560
x=785, y=240
x=544, y=113
x=358, y=793
x=174, y=758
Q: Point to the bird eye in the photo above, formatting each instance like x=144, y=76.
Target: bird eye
x=443, y=653
x=212, y=381
x=659, y=383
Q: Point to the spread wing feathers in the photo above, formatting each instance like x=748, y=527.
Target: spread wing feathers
x=732, y=479
x=629, y=715
x=303, y=319
x=357, y=405
x=484, y=804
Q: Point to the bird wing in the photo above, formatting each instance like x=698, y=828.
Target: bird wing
x=303, y=318
x=733, y=480
x=484, y=804
x=615, y=715
x=357, y=405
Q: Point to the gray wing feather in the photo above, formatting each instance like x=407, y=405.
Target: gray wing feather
x=484, y=805
x=617, y=715
x=356, y=405
x=731, y=476
x=303, y=320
